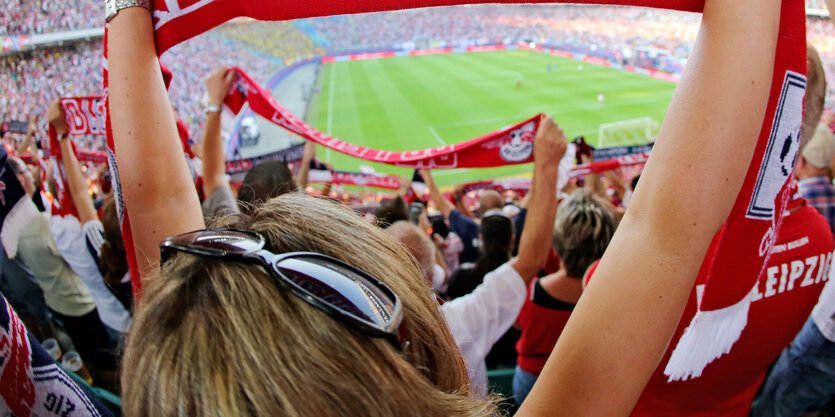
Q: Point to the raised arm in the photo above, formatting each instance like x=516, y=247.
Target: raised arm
x=593, y=181
x=441, y=203
x=156, y=182
x=304, y=169
x=549, y=147
x=214, y=157
x=72, y=169
x=622, y=324
x=23, y=147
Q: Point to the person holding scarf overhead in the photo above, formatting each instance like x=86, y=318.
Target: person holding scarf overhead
x=317, y=365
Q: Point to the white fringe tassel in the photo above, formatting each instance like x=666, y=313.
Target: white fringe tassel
x=17, y=219
x=710, y=335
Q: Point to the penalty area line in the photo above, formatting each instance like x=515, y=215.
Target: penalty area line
x=436, y=135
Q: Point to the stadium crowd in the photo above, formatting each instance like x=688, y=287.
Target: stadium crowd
x=277, y=40
x=26, y=17
x=606, y=27
x=260, y=299
x=191, y=62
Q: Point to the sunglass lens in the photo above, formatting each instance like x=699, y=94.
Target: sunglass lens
x=341, y=287
x=226, y=241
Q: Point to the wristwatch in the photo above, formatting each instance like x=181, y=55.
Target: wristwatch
x=113, y=6
x=212, y=108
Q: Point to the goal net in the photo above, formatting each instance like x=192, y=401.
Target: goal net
x=627, y=133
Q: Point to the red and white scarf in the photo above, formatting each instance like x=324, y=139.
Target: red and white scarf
x=85, y=116
x=740, y=249
x=323, y=176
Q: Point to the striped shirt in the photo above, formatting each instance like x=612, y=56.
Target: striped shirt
x=820, y=193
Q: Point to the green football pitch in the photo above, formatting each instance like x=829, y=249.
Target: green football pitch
x=408, y=103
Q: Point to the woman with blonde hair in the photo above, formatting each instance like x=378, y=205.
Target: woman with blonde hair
x=214, y=335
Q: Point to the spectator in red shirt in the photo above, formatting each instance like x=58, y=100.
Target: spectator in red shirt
x=584, y=226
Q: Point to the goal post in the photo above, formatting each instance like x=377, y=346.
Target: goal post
x=631, y=132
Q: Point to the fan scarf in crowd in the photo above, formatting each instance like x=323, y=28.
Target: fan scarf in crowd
x=740, y=249
x=386, y=182
x=31, y=383
x=85, y=116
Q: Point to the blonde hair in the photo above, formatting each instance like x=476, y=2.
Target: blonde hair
x=583, y=228
x=220, y=338
x=815, y=95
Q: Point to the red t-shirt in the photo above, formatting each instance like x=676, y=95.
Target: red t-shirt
x=787, y=292
x=542, y=320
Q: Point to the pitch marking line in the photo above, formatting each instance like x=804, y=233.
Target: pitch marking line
x=436, y=135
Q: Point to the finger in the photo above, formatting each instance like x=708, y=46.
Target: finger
x=230, y=76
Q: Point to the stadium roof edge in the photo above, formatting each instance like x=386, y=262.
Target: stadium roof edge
x=31, y=42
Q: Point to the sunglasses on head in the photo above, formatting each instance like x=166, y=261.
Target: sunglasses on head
x=340, y=290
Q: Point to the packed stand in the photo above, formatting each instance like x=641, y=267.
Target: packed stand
x=30, y=81
x=26, y=17
x=192, y=61
x=821, y=35
x=605, y=27
x=271, y=40
x=816, y=4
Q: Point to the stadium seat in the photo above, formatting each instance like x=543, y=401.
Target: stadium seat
x=501, y=383
x=109, y=399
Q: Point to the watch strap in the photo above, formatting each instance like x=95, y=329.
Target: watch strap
x=114, y=6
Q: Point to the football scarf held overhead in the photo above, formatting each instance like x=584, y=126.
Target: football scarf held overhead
x=85, y=116
x=238, y=168
x=511, y=145
x=735, y=261
x=737, y=257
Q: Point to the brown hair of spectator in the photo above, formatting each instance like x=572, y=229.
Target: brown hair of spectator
x=113, y=259
x=222, y=336
x=391, y=211
x=584, y=226
x=264, y=181
x=489, y=200
x=497, y=234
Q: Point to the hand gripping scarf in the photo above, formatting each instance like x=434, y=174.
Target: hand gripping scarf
x=740, y=249
x=85, y=116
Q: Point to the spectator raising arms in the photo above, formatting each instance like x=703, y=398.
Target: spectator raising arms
x=215, y=333
x=84, y=236
x=464, y=226
x=584, y=226
x=264, y=181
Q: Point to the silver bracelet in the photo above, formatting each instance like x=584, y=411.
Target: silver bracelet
x=212, y=108
x=113, y=6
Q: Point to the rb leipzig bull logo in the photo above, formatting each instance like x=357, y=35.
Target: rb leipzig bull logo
x=517, y=146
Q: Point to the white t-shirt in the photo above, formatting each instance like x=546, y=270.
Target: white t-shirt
x=81, y=255
x=478, y=319
x=824, y=312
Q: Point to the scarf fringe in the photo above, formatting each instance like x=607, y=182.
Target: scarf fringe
x=710, y=335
